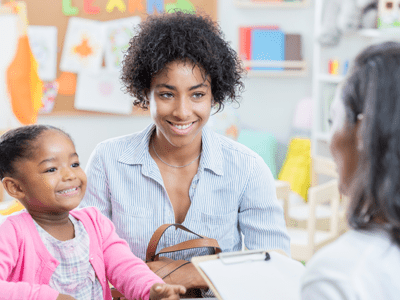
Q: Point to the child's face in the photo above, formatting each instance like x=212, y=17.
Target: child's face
x=52, y=180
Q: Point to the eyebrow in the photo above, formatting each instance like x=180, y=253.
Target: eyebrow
x=171, y=87
x=51, y=159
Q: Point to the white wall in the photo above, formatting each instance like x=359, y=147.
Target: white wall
x=268, y=103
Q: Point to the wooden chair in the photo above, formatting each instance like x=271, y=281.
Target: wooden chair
x=298, y=211
x=283, y=193
x=304, y=242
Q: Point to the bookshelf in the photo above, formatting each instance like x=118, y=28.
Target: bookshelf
x=291, y=68
x=272, y=4
x=325, y=84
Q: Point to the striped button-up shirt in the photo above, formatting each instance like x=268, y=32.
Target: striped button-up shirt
x=232, y=195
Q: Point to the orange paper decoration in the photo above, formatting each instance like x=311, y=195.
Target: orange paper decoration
x=67, y=83
x=24, y=84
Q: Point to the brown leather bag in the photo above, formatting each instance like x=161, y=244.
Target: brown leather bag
x=174, y=271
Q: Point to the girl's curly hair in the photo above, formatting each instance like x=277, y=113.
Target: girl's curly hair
x=180, y=36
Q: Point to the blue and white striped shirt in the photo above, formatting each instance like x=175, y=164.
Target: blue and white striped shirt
x=233, y=192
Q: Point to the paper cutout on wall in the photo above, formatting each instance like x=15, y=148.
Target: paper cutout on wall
x=135, y=5
x=66, y=83
x=89, y=8
x=101, y=91
x=155, y=5
x=8, y=47
x=50, y=90
x=182, y=5
x=24, y=84
x=68, y=9
x=83, y=45
x=115, y=4
x=43, y=42
x=118, y=35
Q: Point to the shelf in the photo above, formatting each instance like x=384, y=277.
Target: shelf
x=376, y=33
x=331, y=78
x=272, y=4
x=299, y=68
x=322, y=136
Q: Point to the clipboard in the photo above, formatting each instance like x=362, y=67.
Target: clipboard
x=251, y=274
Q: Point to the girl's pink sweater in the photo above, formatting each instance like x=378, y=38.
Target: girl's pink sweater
x=26, y=266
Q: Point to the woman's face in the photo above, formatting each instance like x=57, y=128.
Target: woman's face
x=180, y=103
x=343, y=143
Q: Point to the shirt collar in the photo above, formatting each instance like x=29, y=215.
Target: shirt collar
x=211, y=157
x=137, y=151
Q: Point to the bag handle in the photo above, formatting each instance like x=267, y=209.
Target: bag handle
x=196, y=243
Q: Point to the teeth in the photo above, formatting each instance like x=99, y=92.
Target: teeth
x=181, y=127
x=67, y=191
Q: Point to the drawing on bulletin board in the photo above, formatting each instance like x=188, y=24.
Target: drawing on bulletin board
x=70, y=38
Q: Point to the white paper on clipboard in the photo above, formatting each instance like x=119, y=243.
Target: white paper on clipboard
x=254, y=278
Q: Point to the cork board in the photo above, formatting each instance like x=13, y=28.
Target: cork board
x=50, y=13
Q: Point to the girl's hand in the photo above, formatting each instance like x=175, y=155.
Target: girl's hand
x=65, y=297
x=166, y=291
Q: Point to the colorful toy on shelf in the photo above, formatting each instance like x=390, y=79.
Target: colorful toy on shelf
x=333, y=67
x=389, y=14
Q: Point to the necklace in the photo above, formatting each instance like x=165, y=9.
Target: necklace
x=173, y=165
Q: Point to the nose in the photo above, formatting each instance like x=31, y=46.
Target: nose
x=68, y=174
x=183, y=108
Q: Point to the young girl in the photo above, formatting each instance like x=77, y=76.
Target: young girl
x=52, y=251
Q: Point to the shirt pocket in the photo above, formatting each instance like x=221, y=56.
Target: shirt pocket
x=218, y=218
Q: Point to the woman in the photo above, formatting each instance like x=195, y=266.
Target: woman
x=364, y=263
x=176, y=170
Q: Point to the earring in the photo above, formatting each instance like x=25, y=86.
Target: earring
x=360, y=117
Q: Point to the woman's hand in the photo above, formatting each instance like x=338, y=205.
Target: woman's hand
x=65, y=297
x=166, y=291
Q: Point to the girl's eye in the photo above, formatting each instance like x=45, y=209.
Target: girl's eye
x=51, y=170
x=75, y=165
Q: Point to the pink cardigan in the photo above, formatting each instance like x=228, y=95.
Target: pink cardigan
x=26, y=266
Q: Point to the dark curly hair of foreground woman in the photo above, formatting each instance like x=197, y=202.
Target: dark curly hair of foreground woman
x=184, y=37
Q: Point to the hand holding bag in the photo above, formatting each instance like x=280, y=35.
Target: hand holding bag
x=177, y=271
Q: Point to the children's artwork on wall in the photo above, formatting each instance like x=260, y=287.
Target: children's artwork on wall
x=101, y=91
x=59, y=13
x=8, y=47
x=50, y=91
x=118, y=34
x=389, y=14
x=83, y=45
x=43, y=42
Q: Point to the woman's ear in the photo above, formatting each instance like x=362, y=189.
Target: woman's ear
x=359, y=139
x=13, y=187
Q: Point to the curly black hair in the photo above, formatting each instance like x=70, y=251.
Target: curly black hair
x=180, y=36
x=18, y=144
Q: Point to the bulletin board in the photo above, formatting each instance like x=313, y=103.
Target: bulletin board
x=50, y=13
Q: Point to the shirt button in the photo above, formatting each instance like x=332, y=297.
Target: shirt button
x=194, y=186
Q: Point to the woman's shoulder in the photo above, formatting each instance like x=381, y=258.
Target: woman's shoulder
x=118, y=145
x=352, y=257
x=229, y=145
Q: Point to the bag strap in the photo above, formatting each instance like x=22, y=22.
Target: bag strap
x=196, y=243
x=152, y=246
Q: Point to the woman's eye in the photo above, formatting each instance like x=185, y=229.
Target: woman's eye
x=198, y=95
x=50, y=170
x=166, y=95
x=75, y=165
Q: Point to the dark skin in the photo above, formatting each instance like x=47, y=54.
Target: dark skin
x=180, y=102
x=50, y=184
